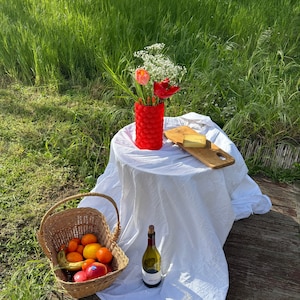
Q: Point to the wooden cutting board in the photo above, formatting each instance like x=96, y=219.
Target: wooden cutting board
x=212, y=156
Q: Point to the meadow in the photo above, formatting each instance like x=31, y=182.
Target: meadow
x=60, y=108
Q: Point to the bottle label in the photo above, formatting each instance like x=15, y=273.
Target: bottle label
x=151, y=277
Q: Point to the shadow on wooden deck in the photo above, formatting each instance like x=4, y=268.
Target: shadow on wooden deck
x=263, y=251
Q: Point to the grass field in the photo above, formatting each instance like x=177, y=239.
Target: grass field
x=59, y=108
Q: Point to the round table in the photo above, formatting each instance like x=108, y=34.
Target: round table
x=190, y=205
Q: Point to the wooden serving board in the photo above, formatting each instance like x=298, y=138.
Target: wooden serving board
x=212, y=156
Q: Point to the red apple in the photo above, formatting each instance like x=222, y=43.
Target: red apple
x=95, y=270
x=80, y=276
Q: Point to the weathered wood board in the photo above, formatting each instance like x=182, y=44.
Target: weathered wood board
x=212, y=156
x=263, y=251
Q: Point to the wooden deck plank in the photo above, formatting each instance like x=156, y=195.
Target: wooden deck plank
x=263, y=251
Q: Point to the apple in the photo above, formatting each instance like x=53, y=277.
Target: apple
x=80, y=276
x=96, y=270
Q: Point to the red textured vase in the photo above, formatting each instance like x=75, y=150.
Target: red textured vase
x=149, y=121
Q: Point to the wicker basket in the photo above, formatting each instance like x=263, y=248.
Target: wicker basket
x=57, y=228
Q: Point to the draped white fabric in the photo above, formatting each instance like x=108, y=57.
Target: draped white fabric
x=192, y=207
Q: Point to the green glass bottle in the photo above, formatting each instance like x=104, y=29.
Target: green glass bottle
x=151, y=262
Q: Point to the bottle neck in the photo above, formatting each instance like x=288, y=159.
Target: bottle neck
x=151, y=240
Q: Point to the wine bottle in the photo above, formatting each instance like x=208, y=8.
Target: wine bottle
x=151, y=262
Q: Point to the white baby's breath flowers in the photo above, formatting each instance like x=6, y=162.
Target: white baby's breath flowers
x=158, y=65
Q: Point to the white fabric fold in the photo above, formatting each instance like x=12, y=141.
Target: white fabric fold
x=192, y=207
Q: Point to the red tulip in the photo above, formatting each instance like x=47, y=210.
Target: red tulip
x=142, y=76
x=164, y=90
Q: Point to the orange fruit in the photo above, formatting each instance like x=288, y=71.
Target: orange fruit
x=72, y=245
x=74, y=257
x=104, y=255
x=80, y=249
x=78, y=240
x=90, y=250
x=87, y=262
x=88, y=238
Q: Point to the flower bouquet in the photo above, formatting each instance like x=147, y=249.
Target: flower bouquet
x=156, y=80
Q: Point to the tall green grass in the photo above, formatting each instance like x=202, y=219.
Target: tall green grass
x=54, y=40
x=242, y=56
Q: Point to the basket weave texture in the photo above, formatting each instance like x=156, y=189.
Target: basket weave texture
x=57, y=228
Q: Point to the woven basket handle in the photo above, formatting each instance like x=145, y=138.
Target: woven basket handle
x=117, y=228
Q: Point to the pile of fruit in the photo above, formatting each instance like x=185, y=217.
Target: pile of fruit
x=84, y=258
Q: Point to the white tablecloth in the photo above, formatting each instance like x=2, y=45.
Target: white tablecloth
x=192, y=207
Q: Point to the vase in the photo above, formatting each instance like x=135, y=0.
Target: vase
x=149, y=121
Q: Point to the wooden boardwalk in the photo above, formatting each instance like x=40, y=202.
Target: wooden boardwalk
x=263, y=251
